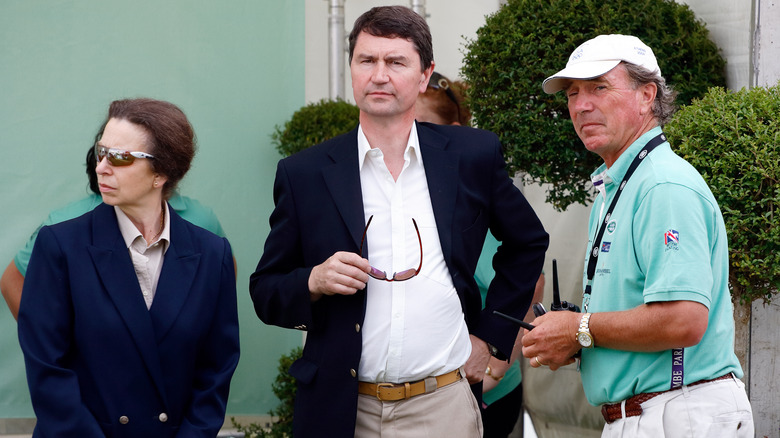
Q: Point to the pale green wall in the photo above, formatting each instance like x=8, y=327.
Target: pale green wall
x=234, y=66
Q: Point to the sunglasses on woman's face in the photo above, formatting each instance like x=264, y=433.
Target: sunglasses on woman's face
x=398, y=276
x=118, y=157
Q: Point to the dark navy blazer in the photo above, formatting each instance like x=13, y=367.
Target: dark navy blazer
x=319, y=211
x=98, y=362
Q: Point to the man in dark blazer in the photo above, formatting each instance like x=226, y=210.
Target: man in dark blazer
x=99, y=363
x=385, y=349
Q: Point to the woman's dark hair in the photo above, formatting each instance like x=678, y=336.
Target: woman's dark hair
x=92, y=162
x=445, y=98
x=395, y=22
x=170, y=134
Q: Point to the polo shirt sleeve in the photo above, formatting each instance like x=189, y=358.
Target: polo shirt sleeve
x=196, y=213
x=22, y=257
x=672, y=226
x=70, y=211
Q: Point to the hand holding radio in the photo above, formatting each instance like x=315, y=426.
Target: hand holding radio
x=557, y=304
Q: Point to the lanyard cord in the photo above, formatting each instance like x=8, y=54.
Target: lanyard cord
x=678, y=369
x=594, y=251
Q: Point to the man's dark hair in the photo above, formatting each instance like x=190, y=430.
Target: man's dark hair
x=395, y=22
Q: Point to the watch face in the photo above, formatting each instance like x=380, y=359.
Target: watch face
x=584, y=339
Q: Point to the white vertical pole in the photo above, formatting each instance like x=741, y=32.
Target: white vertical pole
x=336, y=49
x=418, y=6
x=766, y=64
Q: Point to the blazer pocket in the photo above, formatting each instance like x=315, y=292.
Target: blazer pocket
x=304, y=370
x=476, y=221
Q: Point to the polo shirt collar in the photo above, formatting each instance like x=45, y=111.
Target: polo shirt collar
x=618, y=170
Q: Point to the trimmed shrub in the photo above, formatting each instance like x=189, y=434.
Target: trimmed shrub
x=528, y=40
x=284, y=389
x=733, y=139
x=315, y=123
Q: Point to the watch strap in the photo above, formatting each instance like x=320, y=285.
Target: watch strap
x=495, y=352
x=584, y=329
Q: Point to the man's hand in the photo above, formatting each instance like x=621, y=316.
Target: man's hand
x=478, y=360
x=343, y=273
x=552, y=343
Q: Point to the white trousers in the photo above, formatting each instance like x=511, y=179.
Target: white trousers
x=709, y=410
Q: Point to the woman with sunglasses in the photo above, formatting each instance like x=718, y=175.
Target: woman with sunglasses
x=502, y=391
x=12, y=280
x=128, y=320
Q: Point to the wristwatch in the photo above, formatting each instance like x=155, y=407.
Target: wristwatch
x=495, y=353
x=583, y=335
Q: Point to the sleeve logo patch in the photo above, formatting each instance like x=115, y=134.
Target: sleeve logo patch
x=671, y=239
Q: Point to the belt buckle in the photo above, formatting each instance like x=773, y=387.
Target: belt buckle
x=379, y=387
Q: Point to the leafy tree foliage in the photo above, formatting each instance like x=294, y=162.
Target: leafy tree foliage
x=528, y=40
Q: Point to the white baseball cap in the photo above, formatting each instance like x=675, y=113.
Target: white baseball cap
x=599, y=55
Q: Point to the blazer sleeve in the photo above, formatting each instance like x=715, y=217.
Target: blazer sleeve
x=517, y=262
x=45, y=335
x=217, y=360
x=279, y=286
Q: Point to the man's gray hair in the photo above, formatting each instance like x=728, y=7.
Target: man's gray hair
x=664, y=106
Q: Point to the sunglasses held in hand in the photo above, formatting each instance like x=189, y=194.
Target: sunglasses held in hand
x=118, y=157
x=398, y=276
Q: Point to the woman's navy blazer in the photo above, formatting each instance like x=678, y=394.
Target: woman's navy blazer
x=99, y=363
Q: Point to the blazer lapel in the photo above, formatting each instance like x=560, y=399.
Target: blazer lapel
x=115, y=268
x=441, y=171
x=178, y=272
x=342, y=179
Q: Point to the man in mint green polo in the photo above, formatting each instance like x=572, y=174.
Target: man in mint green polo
x=657, y=332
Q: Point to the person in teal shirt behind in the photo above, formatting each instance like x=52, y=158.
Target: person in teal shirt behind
x=502, y=391
x=502, y=394
x=13, y=278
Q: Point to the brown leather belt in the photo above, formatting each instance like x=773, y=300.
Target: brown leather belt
x=634, y=404
x=404, y=391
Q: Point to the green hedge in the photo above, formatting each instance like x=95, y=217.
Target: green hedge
x=315, y=123
x=733, y=139
x=284, y=389
x=529, y=40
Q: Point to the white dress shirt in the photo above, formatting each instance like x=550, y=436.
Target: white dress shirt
x=413, y=329
x=147, y=258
